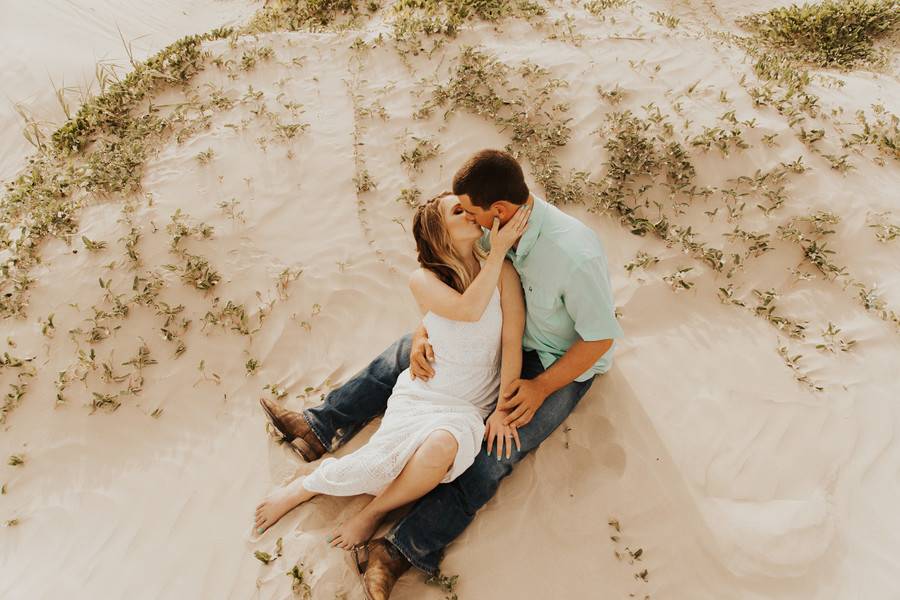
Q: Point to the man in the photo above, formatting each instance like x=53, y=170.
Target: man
x=570, y=331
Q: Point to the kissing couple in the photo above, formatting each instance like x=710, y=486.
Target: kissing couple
x=517, y=320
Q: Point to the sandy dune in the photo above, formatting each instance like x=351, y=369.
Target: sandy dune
x=735, y=479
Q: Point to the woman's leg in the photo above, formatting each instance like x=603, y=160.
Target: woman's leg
x=424, y=471
x=280, y=502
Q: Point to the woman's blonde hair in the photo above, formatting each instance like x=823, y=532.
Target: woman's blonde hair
x=435, y=249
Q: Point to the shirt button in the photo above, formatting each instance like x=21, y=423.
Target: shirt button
x=529, y=289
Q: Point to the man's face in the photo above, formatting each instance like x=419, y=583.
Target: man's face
x=476, y=214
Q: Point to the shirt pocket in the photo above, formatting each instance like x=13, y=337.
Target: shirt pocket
x=544, y=311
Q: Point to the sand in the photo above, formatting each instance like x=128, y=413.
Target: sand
x=733, y=478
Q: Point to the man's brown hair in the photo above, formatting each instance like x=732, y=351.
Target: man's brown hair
x=489, y=176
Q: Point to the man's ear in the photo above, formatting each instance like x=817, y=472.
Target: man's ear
x=505, y=210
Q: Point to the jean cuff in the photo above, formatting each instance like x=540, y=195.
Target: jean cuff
x=413, y=560
x=314, y=427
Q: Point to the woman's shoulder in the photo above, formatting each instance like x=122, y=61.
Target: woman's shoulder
x=421, y=277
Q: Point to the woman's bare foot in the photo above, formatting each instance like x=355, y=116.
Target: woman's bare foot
x=356, y=530
x=279, y=502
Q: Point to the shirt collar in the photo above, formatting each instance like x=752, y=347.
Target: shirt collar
x=532, y=231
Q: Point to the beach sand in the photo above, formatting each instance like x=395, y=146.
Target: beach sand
x=733, y=478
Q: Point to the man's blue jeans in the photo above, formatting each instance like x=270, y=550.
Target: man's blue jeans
x=442, y=514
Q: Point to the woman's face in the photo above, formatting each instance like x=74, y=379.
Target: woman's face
x=460, y=225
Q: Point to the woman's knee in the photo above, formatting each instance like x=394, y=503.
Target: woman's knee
x=439, y=449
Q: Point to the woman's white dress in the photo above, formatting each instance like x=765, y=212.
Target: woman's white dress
x=458, y=399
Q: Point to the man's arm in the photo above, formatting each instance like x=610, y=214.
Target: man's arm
x=580, y=357
x=527, y=395
x=421, y=355
x=588, y=300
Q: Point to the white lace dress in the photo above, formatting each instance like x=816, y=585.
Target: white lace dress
x=458, y=399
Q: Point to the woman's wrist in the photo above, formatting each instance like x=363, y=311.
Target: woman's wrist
x=496, y=256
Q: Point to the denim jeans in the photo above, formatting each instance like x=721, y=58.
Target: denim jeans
x=441, y=515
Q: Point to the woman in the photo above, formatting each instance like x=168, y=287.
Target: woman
x=432, y=430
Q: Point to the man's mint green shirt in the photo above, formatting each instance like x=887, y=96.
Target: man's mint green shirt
x=568, y=297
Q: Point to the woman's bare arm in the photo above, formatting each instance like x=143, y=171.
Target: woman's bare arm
x=433, y=294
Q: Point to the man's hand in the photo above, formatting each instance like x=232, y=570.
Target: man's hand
x=420, y=356
x=521, y=399
x=496, y=430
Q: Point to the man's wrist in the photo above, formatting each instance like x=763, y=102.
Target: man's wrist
x=546, y=387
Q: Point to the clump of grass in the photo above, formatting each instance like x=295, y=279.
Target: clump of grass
x=564, y=30
x=677, y=280
x=446, y=583
x=197, y=271
x=423, y=150
x=727, y=296
x=16, y=460
x=102, y=148
x=883, y=132
x=414, y=18
x=251, y=366
x=288, y=131
x=793, y=362
x=253, y=55
x=613, y=95
x=234, y=316
x=410, y=197
x=885, y=230
x=294, y=15
x=364, y=181
x=724, y=138
x=284, y=281
x=107, y=402
x=520, y=100
x=17, y=390
x=641, y=261
x=809, y=233
x=766, y=308
x=598, y=7
x=827, y=34
x=299, y=586
x=230, y=208
x=111, y=112
x=179, y=229
x=665, y=19
x=206, y=157
x=91, y=245
x=832, y=343
x=214, y=377
x=265, y=558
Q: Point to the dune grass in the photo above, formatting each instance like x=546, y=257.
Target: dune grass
x=833, y=33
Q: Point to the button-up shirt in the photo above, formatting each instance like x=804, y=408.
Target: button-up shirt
x=563, y=269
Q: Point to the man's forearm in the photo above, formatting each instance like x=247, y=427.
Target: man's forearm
x=579, y=358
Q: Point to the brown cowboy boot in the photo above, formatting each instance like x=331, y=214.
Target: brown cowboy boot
x=379, y=567
x=295, y=429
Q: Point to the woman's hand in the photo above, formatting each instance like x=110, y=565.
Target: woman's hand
x=502, y=239
x=496, y=430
